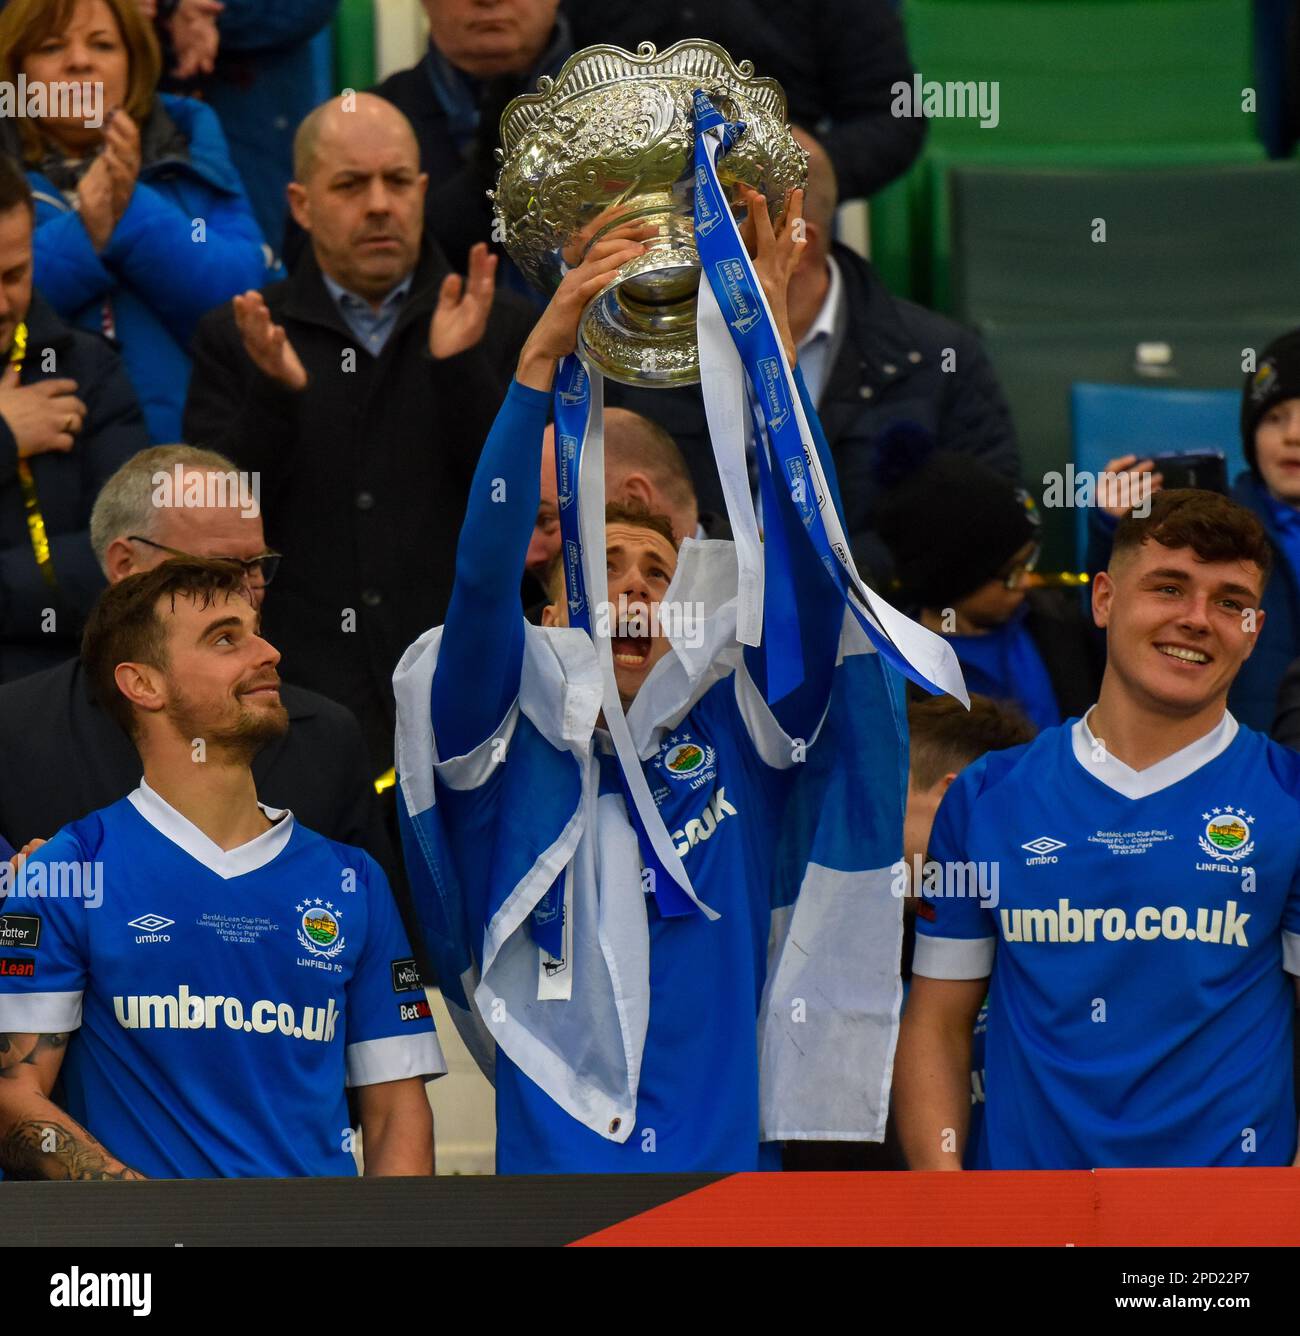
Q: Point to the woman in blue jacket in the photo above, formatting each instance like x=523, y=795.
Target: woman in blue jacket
x=143, y=224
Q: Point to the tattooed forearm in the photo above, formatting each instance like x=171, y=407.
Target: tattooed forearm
x=50, y=1149
x=17, y=1050
x=37, y=1139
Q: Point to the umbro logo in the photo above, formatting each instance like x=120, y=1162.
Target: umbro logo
x=1043, y=849
x=151, y=923
x=149, y=928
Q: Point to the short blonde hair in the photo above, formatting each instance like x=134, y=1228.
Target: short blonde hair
x=25, y=24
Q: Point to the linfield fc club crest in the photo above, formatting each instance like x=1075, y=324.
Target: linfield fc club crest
x=1227, y=833
x=686, y=760
x=320, y=928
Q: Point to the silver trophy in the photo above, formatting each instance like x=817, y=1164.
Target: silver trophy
x=611, y=141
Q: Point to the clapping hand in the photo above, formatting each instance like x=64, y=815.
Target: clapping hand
x=464, y=305
x=266, y=343
x=105, y=191
x=195, y=38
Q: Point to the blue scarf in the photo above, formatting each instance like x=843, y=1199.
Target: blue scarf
x=1286, y=526
x=1006, y=665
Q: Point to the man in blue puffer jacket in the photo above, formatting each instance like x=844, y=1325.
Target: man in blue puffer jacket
x=142, y=224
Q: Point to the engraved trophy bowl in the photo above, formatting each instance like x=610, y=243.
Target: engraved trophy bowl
x=610, y=140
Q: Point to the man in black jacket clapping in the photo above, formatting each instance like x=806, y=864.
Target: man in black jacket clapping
x=360, y=390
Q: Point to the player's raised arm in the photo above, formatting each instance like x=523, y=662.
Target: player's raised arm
x=821, y=609
x=479, y=663
x=37, y=1139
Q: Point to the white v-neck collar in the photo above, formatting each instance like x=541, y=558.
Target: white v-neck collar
x=226, y=863
x=1114, y=774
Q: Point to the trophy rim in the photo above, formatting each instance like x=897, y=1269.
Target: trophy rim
x=603, y=64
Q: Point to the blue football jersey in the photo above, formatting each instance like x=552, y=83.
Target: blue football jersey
x=1140, y=929
x=221, y=1000
x=698, y=1096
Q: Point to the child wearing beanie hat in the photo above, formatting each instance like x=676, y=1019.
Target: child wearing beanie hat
x=1270, y=438
x=1270, y=417
x=963, y=540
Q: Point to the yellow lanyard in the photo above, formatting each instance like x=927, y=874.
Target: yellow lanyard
x=31, y=504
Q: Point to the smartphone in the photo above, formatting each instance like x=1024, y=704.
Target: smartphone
x=1207, y=469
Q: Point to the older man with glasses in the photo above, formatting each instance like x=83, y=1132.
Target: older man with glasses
x=258, y=571
x=67, y=755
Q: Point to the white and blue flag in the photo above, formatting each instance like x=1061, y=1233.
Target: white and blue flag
x=673, y=937
x=791, y=846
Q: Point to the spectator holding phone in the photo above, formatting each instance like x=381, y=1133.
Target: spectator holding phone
x=1270, y=489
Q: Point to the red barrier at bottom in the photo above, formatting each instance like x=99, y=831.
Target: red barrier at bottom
x=1101, y=1208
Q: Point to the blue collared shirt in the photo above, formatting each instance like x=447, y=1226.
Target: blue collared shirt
x=371, y=328
x=819, y=344
x=815, y=353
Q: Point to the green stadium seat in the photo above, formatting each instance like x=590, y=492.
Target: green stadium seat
x=1106, y=83
x=1180, y=243
x=1038, y=364
x=933, y=196
x=1091, y=72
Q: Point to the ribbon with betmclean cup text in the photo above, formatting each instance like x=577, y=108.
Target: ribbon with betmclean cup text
x=733, y=299
x=580, y=486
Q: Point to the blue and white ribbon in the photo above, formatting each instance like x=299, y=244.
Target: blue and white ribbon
x=743, y=370
x=580, y=479
x=785, y=447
